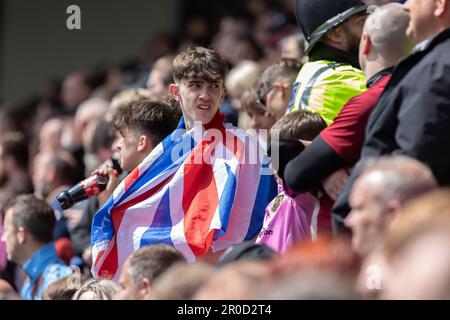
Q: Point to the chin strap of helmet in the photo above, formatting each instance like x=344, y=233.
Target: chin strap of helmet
x=335, y=21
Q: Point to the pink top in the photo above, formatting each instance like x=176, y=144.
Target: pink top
x=2, y=250
x=287, y=219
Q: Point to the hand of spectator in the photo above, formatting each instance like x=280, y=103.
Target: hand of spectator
x=334, y=184
x=112, y=184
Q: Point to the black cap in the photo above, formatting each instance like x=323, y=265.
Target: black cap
x=287, y=150
x=317, y=17
x=246, y=251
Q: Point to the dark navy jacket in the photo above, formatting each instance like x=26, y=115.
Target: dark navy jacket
x=412, y=116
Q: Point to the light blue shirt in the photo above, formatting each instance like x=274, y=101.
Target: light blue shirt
x=42, y=269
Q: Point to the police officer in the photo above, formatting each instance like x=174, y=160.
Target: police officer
x=332, y=76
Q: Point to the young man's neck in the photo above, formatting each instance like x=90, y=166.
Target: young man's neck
x=139, y=158
x=189, y=123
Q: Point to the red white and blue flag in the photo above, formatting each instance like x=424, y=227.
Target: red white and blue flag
x=199, y=189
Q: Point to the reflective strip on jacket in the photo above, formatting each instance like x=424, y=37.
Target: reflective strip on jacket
x=325, y=87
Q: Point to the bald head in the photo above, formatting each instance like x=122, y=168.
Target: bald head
x=88, y=114
x=398, y=177
x=92, y=108
x=379, y=193
x=384, y=36
x=50, y=134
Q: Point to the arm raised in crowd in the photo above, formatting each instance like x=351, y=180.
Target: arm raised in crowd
x=113, y=182
x=306, y=171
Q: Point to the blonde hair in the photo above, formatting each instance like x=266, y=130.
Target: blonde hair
x=130, y=96
x=181, y=281
x=102, y=289
x=243, y=76
x=238, y=280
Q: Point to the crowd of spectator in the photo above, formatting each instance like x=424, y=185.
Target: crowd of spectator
x=354, y=114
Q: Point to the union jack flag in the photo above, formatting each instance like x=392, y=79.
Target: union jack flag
x=198, y=189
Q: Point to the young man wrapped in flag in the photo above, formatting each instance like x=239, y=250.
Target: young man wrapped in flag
x=205, y=186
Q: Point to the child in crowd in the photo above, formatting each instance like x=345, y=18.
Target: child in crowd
x=260, y=118
x=288, y=217
x=268, y=102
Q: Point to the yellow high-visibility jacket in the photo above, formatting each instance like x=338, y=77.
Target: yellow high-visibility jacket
x=325, y=87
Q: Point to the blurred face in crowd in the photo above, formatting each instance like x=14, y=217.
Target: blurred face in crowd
x=277, y=99
x=10, y=237
x=366, y=218
x=421, y=25
x=200, y=99
x=421, y=270
x=50, y=135
x=129, y=146
x=155, y=82
x=74, y=91
x=129, y=290
x=244, y=50
x=261, y=119
x=88, y=115
x=41, y=174
x=290, y=49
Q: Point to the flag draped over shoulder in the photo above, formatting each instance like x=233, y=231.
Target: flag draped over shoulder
x=199, y=189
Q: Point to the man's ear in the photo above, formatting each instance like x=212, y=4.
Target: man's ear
x=392, y=209
x=366, y=44
x=144, y=287
x=174, y=89
x=279, y=87
x=224, y=93
x=441, y=7
x=335, y=35
x=21, y=235
x=144, y=143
